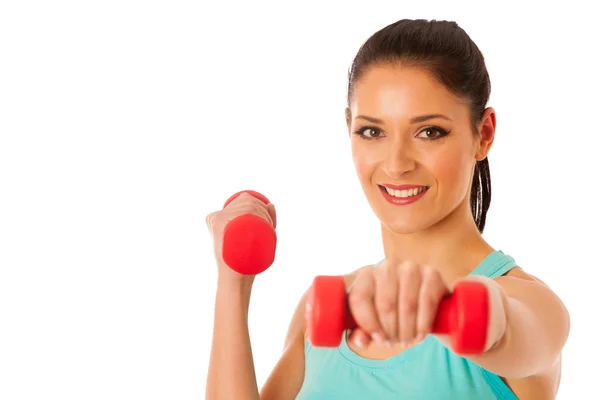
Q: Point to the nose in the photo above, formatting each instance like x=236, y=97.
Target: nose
x=399, y=159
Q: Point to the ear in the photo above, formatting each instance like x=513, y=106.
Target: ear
x=487, y=131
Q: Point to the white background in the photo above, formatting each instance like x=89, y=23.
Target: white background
x=123, y=123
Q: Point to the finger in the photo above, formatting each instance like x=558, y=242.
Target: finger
x=242, y=198
x=410, y=284
x=245, y=203
x=360, y=338
x=361, y=301
x=263, y=209
x=386, y=300
x=272, y=213
x=209, y=220
x=433, y=289
x=260, y=209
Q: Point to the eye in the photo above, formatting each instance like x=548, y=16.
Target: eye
x=433, y=133
x=369, y=132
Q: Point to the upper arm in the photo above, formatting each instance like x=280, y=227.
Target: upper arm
x=287, y=377
x=547, y=309
x=537, y=328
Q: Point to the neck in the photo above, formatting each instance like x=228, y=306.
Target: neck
x=453, y=245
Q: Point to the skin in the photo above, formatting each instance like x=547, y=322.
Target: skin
x=424, y=245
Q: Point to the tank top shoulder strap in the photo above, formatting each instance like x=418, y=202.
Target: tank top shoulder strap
x=494, y=265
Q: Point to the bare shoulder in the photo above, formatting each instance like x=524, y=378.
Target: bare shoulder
x=533, y=284
x=517, y=281
x=518, y=272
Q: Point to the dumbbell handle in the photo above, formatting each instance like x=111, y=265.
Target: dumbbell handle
x=442, y=324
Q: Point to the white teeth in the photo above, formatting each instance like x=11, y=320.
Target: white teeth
x=404, y=193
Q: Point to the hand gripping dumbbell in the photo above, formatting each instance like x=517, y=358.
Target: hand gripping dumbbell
x=463, y=315
x=249, y=241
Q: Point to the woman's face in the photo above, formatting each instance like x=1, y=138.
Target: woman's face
x=407, y=129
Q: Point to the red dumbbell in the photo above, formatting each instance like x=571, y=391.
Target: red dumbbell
x=463, y=314
x=249, y=241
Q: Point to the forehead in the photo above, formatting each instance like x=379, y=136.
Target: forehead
x=394, y=91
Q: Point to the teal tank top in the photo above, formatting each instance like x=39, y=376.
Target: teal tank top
x=427, y=371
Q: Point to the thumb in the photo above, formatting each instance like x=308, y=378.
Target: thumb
x=272, y=214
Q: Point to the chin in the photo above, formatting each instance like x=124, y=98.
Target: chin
x=400, y=223
x=403, y=227
x=401, y=220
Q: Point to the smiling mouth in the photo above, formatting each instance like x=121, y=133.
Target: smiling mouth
x=405, y=193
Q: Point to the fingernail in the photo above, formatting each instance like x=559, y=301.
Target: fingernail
x=358, y=341
x=388, y=344
x=378, y=338
x=404, y=344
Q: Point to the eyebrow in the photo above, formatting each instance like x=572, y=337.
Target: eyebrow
x=414, y=120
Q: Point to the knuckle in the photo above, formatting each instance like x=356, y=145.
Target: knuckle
x=243, y=198
x=427, y=271
x=245, y=195
x=356, y=297
x=430, y=273
x=413, y=268
x=405, y=267
x=357, y=300
x=386, y=272
x=383, y=276
x=212, y=219
x=385, y=265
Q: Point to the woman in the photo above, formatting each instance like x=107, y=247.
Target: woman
x=420, y=134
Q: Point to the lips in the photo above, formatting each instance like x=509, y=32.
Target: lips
x=406, y=194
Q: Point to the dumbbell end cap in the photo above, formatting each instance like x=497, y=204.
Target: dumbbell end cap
x=325, y=311
x=472, y=322
x=254, y=193
x=249, y=244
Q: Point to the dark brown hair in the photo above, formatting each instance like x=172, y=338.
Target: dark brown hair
x=446, y=51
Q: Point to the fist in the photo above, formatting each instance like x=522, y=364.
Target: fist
x=218, y=220
x=395, y=303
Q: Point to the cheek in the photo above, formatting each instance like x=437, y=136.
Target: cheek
x=365, y=162
x=452, y=171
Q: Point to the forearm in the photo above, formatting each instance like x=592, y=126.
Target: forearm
x=231, y=372
x=534, y=334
